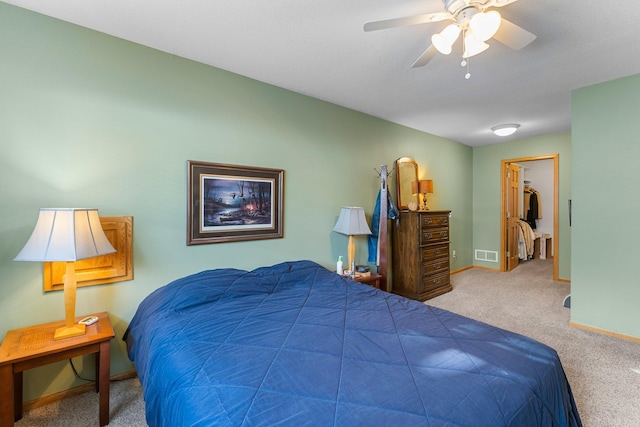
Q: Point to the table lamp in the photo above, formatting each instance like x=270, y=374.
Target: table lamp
x=66, y=234
x=425, y=186
x=351, y=222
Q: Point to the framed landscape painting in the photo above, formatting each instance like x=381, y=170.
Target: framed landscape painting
x=229, y=203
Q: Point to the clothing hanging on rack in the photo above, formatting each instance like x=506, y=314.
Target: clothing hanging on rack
x=372, y=240
x=526, y=239
x=377, y=242
x=532, y=206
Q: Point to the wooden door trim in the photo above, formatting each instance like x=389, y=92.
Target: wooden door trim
x=512, y=207
x=503, y=209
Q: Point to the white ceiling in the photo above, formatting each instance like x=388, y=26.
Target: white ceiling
x=318, y=48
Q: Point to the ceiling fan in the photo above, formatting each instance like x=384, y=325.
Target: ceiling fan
x=473, y=19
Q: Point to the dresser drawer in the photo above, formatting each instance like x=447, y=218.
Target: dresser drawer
x=434, y=235
x=435, y=266
x=434, y=221
x=435, y=282
x=433, y=252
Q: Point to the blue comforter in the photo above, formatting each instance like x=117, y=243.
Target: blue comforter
x=295, y=344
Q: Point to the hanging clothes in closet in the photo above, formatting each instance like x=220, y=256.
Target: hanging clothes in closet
x=532, y=206
x=526, y=238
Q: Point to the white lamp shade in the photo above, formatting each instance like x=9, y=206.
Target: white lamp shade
x=445, y=39
x=66, y=234
x=473, y=46
x=352, y=222
x=485, y=25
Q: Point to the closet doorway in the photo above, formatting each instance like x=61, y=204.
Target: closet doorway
x=514, y=175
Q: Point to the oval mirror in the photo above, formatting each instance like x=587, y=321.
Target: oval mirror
x=406, y=173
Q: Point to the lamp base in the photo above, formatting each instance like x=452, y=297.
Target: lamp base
x=424, y=207
x=66, y=332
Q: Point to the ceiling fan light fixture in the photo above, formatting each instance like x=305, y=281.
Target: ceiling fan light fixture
x=505, y=130
x=473, y=46
x=444, y=40
x=485, y=24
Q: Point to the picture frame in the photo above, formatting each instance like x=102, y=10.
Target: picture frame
x=229, y=203
x=110, y=268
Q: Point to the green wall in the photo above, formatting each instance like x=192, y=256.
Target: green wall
x=605, y=288
x=487, y=175
x=89, y=120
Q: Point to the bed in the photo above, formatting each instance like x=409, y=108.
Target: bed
x=296, y=344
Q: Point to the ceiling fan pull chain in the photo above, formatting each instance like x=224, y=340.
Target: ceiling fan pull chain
x=465, y=61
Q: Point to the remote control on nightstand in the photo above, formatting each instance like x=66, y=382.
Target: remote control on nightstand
x=89, y=320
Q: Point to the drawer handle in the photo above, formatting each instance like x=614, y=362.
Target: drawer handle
x=436, y=266
x=428, y=220
x=443, y=234
x=437, y=251
x=428, y=235
x=436, y=280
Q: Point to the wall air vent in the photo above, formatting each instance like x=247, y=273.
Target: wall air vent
x=483, y=255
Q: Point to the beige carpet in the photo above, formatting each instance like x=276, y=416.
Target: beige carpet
x=604, y=372
x=126, y=409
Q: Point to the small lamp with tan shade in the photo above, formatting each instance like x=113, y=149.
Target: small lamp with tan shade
x=422, y=187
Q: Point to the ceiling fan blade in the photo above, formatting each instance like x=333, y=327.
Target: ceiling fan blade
x=498, y=3
x=513, y=36
x=426, y=56
x=409, y=20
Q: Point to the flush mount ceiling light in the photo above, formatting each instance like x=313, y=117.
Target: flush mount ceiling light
x=505, y=130
x=473, y=19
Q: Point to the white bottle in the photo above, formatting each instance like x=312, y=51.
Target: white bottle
x=339, y=265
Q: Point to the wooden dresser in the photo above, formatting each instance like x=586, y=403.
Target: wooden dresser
x=420, y=254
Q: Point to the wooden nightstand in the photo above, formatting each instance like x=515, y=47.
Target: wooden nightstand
x=30, y=347
x=371, y=280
